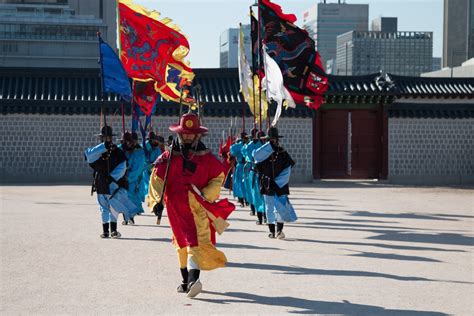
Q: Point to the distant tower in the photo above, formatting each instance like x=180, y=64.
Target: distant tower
x=325, y=21
x=458, y=32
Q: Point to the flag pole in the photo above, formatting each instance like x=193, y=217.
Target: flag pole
x=265, y=62
x=101, y=67
x=123, y=115
x=243, y=103
x=101, y=75
x=259, y=63
x=180, y=103
x=253, y=70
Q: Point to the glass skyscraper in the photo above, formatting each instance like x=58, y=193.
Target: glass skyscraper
x=458, y=32
x=401, y=53
x=325, y=21
x=229, y=47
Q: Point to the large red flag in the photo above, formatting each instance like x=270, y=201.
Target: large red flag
x=150, y=48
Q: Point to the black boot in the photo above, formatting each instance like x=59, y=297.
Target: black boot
x=113, y=230
x=241, y=201
x=271, y=227
x=252, y=210
x=105, y=228
x=183, y=288
x=280, y=234
x=194, y=285
x=260, y=218
x=264, y=217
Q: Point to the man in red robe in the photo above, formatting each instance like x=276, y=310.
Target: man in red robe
x=193, y=185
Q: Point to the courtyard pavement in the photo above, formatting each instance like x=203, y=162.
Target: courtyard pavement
x=358, y=248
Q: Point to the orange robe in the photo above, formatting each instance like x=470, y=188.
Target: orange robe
x=193, y=233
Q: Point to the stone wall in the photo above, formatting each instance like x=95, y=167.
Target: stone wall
x=49, y=148
x=431, y=151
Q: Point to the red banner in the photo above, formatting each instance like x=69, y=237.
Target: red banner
x=150, y=47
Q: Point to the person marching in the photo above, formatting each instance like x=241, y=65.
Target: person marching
x=274, y=165
x=246, y=151
x=257, y=196
x=238, y=187
x=110, y=165
x=154, y=147
x=136, y=164
x=224, y=156
x=189, y=178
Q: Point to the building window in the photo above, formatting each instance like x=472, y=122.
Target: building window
x=51, y=32
x=9, y=47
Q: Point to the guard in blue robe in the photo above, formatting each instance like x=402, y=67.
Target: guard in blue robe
x=153, y=150
x=257, y=197
x=274, y=166
x=110, y=164
x=135, y=166
x=238, y=187
x=246, y=151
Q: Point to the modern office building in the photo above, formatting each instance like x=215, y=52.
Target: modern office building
x=229, y=46
x=437, y=64
x=384, y=24
x=466, y=70
x=54, y=33
x=400, y=53
x=458, y=32
x=325, y=21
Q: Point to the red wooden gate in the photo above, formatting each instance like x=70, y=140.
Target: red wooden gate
x=348, y=144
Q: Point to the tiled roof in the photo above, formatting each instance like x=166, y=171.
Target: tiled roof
x=431, y=110
x=433, y=87
x=69, y=91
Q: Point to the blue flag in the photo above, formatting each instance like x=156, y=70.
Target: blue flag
x=114, y=78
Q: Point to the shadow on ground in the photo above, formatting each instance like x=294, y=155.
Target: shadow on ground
x=167, y=240
x=310, y=271
x=387, y=246
x=441, y=238
x=239, y=246
x=304, y=306
x=402, y=215
x=392, y=256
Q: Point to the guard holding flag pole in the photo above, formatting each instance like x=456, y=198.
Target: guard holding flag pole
x=108, y=162
x=274, y=166
x=110, y=165
x=192, y=186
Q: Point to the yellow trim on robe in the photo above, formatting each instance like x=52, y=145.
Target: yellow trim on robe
x=154, y=190
x=212, y=191
x=206, y=255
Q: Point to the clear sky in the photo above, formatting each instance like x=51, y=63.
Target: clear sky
x=202, y=21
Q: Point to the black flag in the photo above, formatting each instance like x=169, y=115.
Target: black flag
x=294, y=51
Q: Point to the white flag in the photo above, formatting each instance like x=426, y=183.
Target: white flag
x=273, y=83
x=249, y=85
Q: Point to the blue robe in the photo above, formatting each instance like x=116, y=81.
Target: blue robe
x=110, y=205
x=249, y=172
x=238, y=187
x=257, y=196
x=151, y=155
x=277, y=207
x=135, y=167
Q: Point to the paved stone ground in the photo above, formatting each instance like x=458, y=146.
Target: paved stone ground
x=358, y=248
